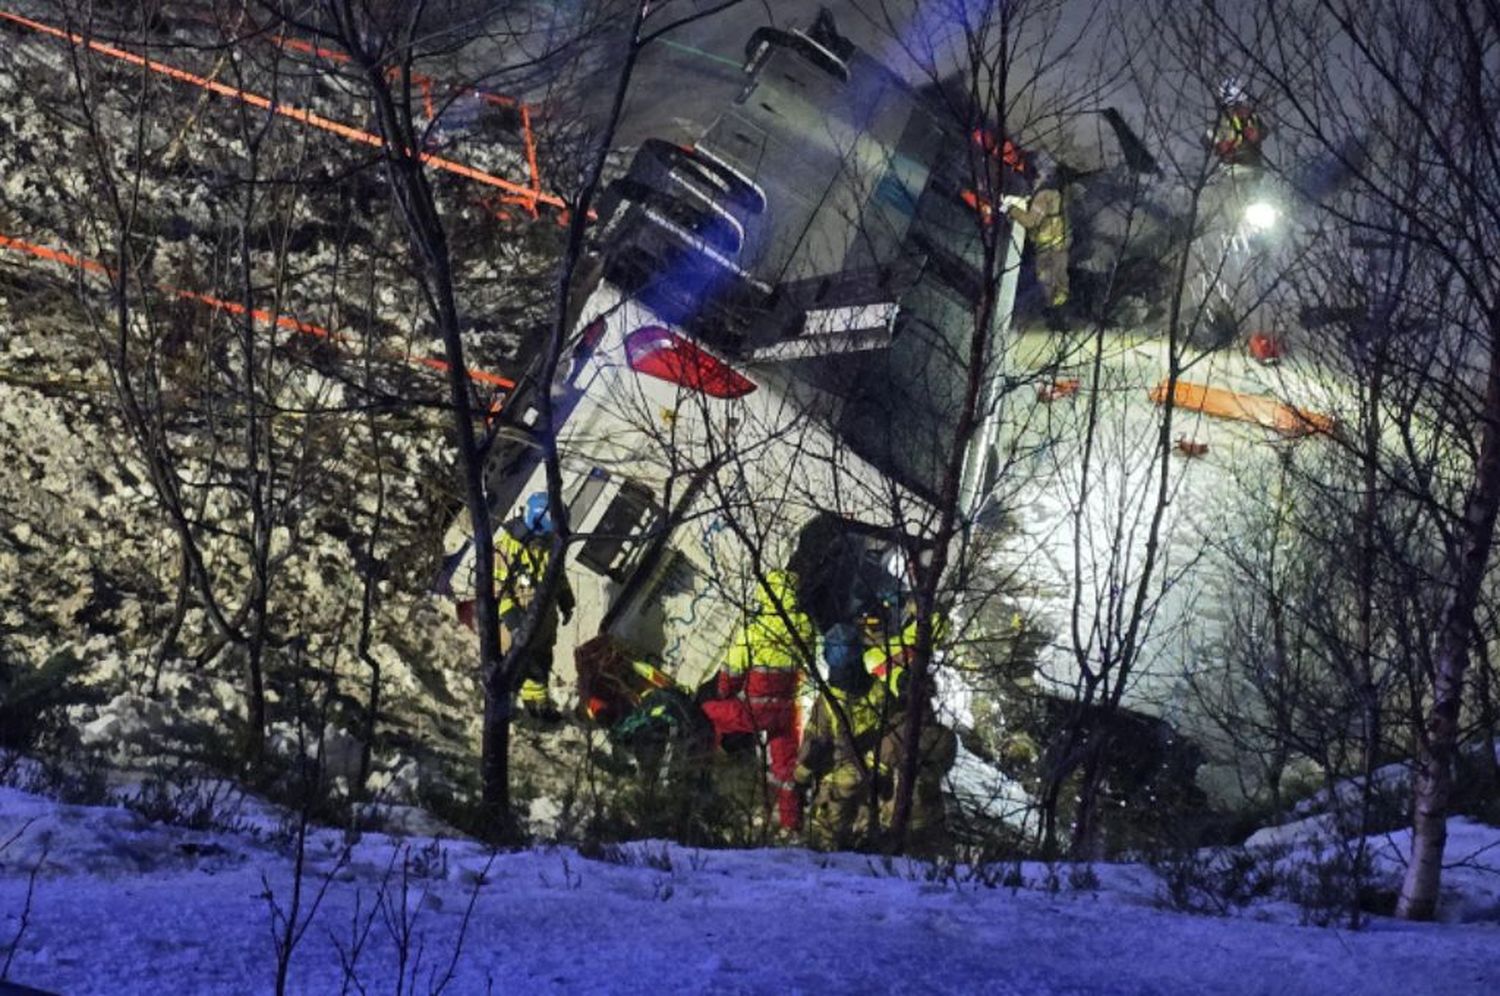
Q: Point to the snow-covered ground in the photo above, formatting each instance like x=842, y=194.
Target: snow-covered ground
x=126, y=906
x=1090, y=520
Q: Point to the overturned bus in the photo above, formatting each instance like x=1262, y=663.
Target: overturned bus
x=767, y=344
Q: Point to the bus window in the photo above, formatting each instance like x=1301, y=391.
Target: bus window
x=621, y=529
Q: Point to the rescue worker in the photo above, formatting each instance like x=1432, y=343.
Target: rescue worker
x=1238, y=130
x=522, y=548
x=757, y=685
x=837, y=761
x=1046, y=222
x=1220, y=262
x=888, y=659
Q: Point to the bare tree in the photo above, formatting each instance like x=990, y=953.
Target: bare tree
x=246, y=457
x=1120, y=470
x=385, y=47
x=227, y=229
x=1408, y=109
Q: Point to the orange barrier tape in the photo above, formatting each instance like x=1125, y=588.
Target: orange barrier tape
x=259, y=314
x=233, y=308
x=424, y=83
x=530, y=139
x=531, y=195
x=308, y=48
x=427, y=84
x=53, y=255
x=1254, y=408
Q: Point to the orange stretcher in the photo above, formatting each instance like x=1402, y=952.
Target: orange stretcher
x=1258, y=409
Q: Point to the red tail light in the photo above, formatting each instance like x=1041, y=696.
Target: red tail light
x=658, y=352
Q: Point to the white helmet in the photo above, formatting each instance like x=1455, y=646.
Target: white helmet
x=1231, y=91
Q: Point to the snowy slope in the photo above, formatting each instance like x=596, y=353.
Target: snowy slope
x=122, y=906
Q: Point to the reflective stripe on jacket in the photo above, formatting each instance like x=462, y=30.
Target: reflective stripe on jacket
x=887, y=659
x=1238, y=134
x=1044, y=219
x=766, y=653
x=520, y=562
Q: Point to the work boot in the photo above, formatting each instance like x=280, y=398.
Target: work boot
x=537, y=705
x=542, y=714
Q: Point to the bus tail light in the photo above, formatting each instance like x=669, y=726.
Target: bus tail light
x=661, y=353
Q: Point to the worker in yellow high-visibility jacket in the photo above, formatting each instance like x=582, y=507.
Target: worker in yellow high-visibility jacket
x=757, y=685
x=522, y=548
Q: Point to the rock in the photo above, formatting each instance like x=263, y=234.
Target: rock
x=341, y=754
x=104, y=730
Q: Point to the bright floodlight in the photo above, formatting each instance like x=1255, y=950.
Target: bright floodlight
x=1261, y=216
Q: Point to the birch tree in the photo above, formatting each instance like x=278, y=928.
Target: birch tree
x=1404, y=95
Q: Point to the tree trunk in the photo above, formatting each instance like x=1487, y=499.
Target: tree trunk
x=368, y=596
x=1061, y=764
x=494, y=761
x=255, y=706
x=433, y=261
x=1433, y=786
x=1086, y=844
x=1489, y=722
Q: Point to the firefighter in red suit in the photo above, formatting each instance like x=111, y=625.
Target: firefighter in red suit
x=757, y=685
